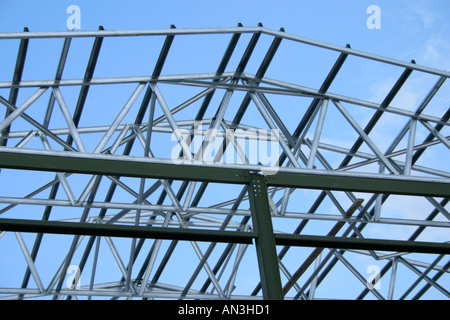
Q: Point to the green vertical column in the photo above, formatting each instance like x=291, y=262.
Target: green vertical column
x=265, y=240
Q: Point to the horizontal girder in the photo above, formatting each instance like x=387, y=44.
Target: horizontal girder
x=99, y=164
x=145, y=232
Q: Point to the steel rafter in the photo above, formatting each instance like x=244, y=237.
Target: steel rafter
x=144, y=192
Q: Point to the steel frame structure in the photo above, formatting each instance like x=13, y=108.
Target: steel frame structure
x=167, y=204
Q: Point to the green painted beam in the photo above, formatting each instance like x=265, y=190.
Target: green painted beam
x=115, y=230
x=265, y=240
x=102, y=164
x=362, y=244
x=375, y=183
x=125, y=231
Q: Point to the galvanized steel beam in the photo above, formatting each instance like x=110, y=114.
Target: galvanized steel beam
x=230, y=30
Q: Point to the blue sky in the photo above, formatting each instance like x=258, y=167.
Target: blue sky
x=409, y=30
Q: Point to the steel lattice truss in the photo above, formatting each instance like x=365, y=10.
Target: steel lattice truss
x=148, y=185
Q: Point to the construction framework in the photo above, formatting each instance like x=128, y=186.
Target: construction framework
x=142, y=203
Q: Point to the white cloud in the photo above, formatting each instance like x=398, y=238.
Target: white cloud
x=415, y=208
x=416, y=16
x=427, y=17
x=435, y=52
